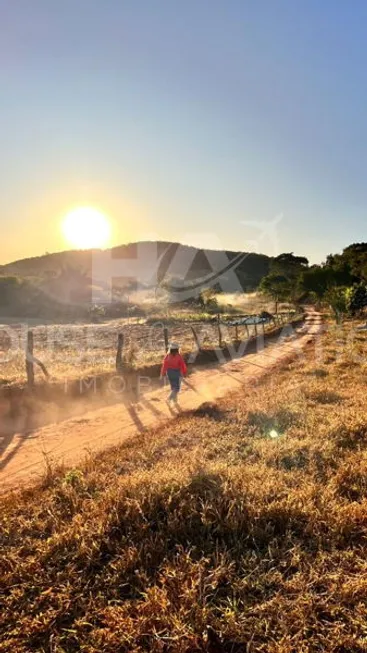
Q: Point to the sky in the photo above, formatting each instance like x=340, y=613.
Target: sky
x=236, y=124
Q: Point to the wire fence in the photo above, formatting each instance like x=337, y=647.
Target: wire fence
x=66, y=351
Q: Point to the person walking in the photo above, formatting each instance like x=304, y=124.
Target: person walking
x=175, y=368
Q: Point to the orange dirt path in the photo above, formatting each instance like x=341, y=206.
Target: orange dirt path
x=24, y=455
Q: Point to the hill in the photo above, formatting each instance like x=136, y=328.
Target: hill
x=171, y=260
x=66, y=285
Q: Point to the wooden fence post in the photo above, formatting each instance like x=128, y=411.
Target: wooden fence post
x=165, y=333
x=247, y=331
x=255, y=329
x=236, y=332
x=29, y=364
x=197, y=341
x=219, y=332
x=263, y=325
x=120, y=346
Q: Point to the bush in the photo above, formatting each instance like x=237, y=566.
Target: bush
x=357, y=299
x=207, y=300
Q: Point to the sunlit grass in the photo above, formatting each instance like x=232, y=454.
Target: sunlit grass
x=209, y=521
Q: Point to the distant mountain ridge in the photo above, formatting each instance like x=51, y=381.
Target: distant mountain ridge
x=173, y=260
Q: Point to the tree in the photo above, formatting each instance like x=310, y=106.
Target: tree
x=316, y=280
x=337, y=298
x=9, y=286
x=356, y=257
x=319, y=279
x=276, y=286
x=351, y=264
x=288, y=265
x=357, y=298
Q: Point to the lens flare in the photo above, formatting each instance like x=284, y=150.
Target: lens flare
x=274, y=434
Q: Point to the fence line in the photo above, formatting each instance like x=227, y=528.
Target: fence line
x=222, y=327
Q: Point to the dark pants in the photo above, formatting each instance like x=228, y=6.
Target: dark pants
x=174, y=377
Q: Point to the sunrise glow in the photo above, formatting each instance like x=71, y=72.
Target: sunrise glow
x=86, y=228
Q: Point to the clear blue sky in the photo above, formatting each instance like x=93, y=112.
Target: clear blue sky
x=185, y=120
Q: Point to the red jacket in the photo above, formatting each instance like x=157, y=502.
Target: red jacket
x=173, y=362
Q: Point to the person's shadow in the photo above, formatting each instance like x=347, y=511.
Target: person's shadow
x=23, y=427
x=131, y=409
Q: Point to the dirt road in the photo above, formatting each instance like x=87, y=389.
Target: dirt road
x=24, y=456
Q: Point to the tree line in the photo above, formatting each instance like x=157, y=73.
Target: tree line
x=340, y=282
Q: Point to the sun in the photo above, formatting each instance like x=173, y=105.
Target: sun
x=86, y=228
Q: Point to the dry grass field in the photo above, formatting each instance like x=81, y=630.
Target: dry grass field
x=240, y=527
x=72, y=350
x=69, y=351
